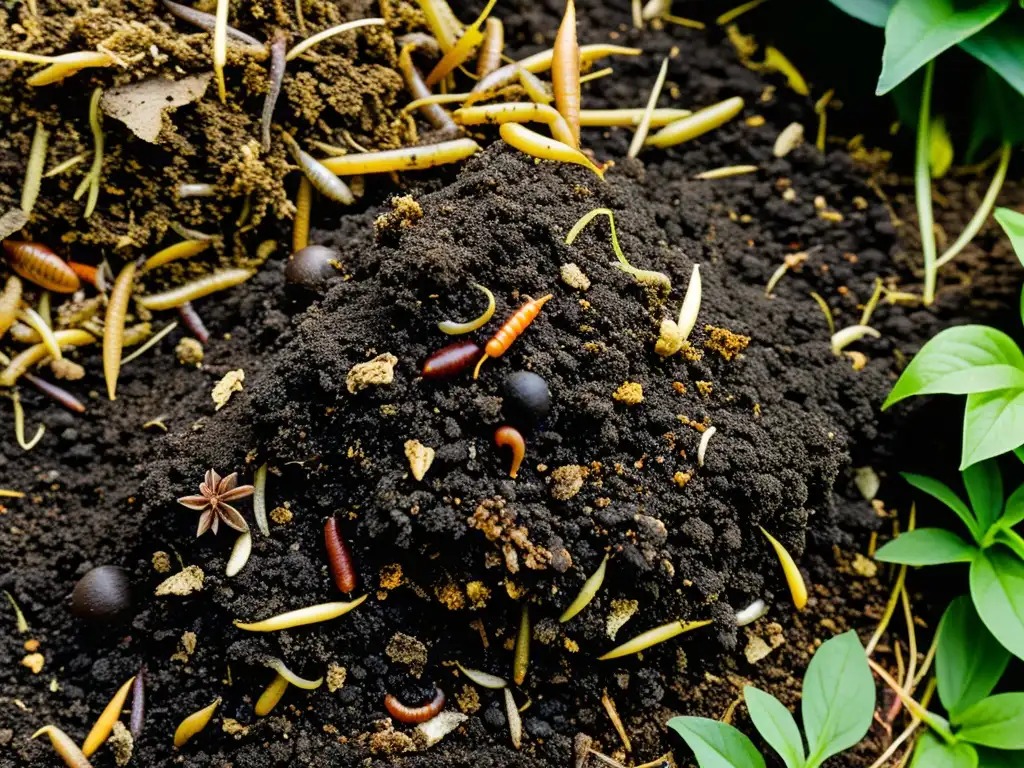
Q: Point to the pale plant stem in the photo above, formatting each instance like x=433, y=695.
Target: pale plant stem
x=923, y=185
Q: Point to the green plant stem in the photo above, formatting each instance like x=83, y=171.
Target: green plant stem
x=984, y=210
x=923, y=184
x=915, y=722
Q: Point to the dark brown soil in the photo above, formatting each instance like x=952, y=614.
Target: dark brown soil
x=792, y=420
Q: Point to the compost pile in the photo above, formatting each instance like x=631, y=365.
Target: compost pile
x=449, y=560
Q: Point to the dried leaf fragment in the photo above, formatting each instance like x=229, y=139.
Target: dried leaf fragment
x=141, y=105
x=378, y=372
x=420, y=457
x=231, y=383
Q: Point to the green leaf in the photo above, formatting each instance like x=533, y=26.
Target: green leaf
x=998, y=113
x=939, y=490
x=997, y=589
x=917, y=31
x=984, y=486
x=838, y=698
x=959, y=361
x=715, y=744
x=927, y=546
x=1013, y=225
x=996, y=722
x=874, y=12
x=933, y=752
x=1013, y=512
x=776, y=725
x=1012, y=540
x=1001, y=46
x=940, y=148
x=996, y=758
x=968, y=661
x=993, y=424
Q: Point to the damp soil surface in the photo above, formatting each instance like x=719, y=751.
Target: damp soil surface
x=450, y=561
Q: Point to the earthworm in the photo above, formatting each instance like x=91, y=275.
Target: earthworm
x=521, y=659
x=319, y=37
x=56, y=393
x=532, y=143
x=193, y=322
x=113, y=326
x=299, y=682
x=456, y=329
x=653, y=637
x=193, y=724
x=512, y=328
x=420, y=41
x=339, y=557
x=516, y=112
x=138, y=714
x=627, y=117
x=271, y=695
x=697, y=124
x=751, y=613
x=311, y=615
x=436, y=115
x=405, y=159
x=844, y=337
x=66, y=748
x=38, y=264
x=10, y=300
x=19, y=425
x=278, y=63
x=105, y=722
x=645, y=276
x=538, y=91
x=462, y=50
x=85, y=272
x=410, y=715
x=510, y=436
x=451, y=360
x=34, y=168
x=587, y=592
x=183, y=250
x=207, y=22
x=491, y=48
x=204, y=286
x=29, y=357
x=68, y=64
x=795, y=579
x=565, y=72
x=325, y=182
x=303, y=205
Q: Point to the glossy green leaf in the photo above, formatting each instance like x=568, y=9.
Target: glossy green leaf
x=776, y=726
x=960, y=361
x=1013, y=512
x=1013, y=225
x=874, y=12
x=715, y=744
x=984, y=485
x=997, y=758
x=926, y=546
x=939, y=490
x=1012, y=541
x=998, y=114
x=933, y=752
x=968, y=661
x=838, y=698
x=917, y=31
x=1001, y=46
x=997, y=589
x=993, y=425
x=996, y=722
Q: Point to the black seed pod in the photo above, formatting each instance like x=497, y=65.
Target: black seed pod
x=527, y=398
x=103, y=595
x=312, y=266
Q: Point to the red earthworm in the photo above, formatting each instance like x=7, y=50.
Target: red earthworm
x=85, y=272
x=405, y=714
x=511, y=330
x=56, y=393
x=510, y=436
x=193, y=322
x=565, y=71
x=36, y=262
x=436, y=115
x=278, y=49
x=451, y=360
x=207, y=22
x=490, y=49
x=339, y=557
x=138, y=703
x=113, y=326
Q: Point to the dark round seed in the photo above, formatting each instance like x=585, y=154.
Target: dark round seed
x=312, y=266
x=103, y=595
x=527, y=398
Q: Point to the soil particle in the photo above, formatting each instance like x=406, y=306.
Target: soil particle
x=403, y=649
x=183, y=583
x=378, y=372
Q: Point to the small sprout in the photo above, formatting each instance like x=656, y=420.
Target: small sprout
x=651, y=637
x=735, y=13
x=66, y=165
x=319, y=37
x=35, y=321
x=516, y=112
x=38, y=264
x=410, y=715
x=155, y=339
x=455, y=329
x=310, y=615
x=751, y=613
x=271, y=695
x=515, y=722
x=462, y=50
x=645, y=122
x=34, y=168
x=844, y=337
x=775, y=61
x=18, y=366
x=607, y=118
x=231, y=382
x=204, y=286
x=19, y=425
x=654, y=279
x=66, y=65
x=535, y=145
x=673, y=335
x=587, y=592
x=307, y=685
x=565, y=73
x=510, y=436
x=789, y=139
x=794, y=578
x=214, y=494
x=220, y=46
x=339, y=558
x=405, y=159
x=483, y=679
x=91, y=181
x=825, y=310
x=613, y=715
x=65, y=747
x=193, y=724
x=239, y=554
x=186, y=249
x=500, y=342
x=420, y=458
x=105, y=723
x=208, y=22
x=451, y=360
x=726, y=172
x=259, y=500
x=682, y=22
x=521, y=659
x=697, y=124
x=869, y=308
x=702, y=449
x=19, y=617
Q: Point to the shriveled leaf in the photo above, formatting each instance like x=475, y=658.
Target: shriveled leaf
x=996, y=722
x=715, y=744
x=942, y=492
x=993, y=425
x=933, y=752
x=873, y=12
x=927, y=546
x=141, y=106
x=997, y=589
x=776, y=726
x=968, y=661
x=984, y=485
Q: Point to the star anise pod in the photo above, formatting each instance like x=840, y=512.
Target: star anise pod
x=214, y=494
